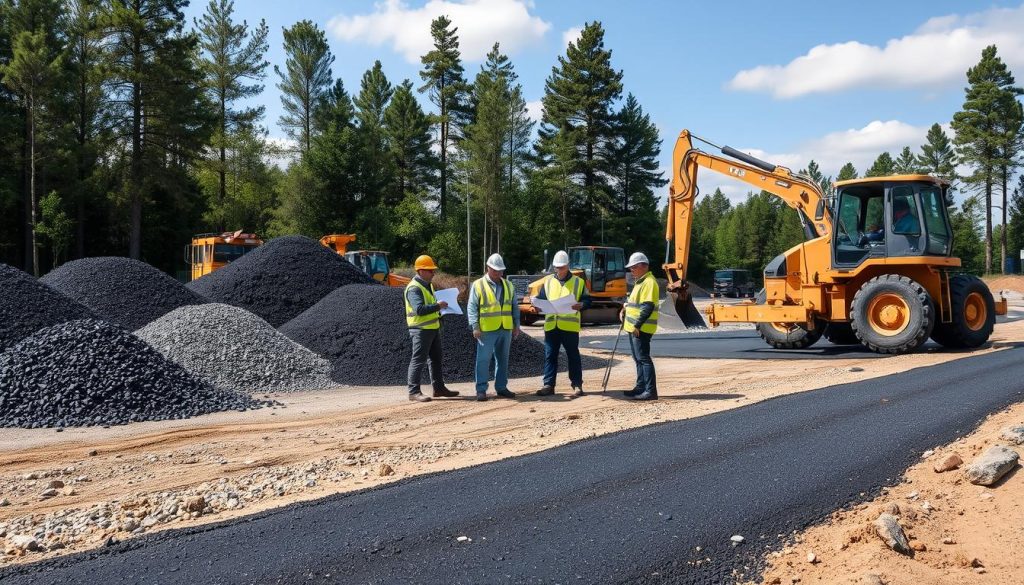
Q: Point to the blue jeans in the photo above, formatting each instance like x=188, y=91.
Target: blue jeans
x=645, y=378
x=492, y=346
x=571, y=342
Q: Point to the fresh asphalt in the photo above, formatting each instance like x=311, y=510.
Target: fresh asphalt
x=626, y=508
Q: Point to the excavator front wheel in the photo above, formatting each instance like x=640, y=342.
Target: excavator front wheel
x=786, y=335
x=974, y=314
x=892, y=314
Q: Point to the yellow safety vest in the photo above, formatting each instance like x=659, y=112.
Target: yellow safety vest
x=554, y=289
x=492, y=315
x=428, y=321
x=644, y=291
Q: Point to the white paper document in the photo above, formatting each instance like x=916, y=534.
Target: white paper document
x=450, y=296
x=559, y=306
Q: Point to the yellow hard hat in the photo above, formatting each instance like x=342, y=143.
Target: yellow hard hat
x=425, y=262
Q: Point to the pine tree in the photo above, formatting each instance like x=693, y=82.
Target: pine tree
x=813, y=171
x=979, y=134
x=578, y=100
x=847, y=172
x=635, y=171
x=882, y=167
x=707, y=215
x=305, y=80
x=31, y=71
x=905, y=163
x=407, y=131
x=233, y=67
x=1012, y=130
x=376, y=167
x=938, y=159
x=444, y=83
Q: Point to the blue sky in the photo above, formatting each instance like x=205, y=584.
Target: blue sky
x=788, y=81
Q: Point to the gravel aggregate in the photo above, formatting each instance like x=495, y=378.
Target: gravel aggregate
x=361, y=329
x=121, y=290
x=280, y=279
x=235, y=349
x=27, y=305
x=89, y=372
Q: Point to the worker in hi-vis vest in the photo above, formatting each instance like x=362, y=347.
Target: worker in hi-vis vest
x=640, y=319
x=493, y=315
x=423, y=316
x=563, y=329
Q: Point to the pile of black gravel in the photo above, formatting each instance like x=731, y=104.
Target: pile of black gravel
x=26, y=306
x=121, y=290
x=88, y=372
x=280, y=279
x=361, y=330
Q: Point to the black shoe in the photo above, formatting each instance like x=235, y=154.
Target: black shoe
x=506, y=394
x=445, y=393
x=631, y=393
x=481, y=398
x=419, y=397
x=646, y=396
x=577, y=392
x=546, y=391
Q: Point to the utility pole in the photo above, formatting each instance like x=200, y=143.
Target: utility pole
x=469, y=249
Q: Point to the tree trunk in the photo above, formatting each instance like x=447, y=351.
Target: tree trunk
x=135, y=188
x=988, y=225
x=444, y=156
x=33, y=198
x=80, y=195
x=26, y=150
x=222, y=171
x=1002, y=235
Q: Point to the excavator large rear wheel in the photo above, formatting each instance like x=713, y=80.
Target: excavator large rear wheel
x=974, y=314
x=892, y=314
x=786, y=335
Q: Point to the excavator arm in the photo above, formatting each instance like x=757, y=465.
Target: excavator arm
x=797, y=191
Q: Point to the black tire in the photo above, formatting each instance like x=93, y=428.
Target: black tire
x=781, y=337
x=892, y=314
x=841, y=334
x=974, y=314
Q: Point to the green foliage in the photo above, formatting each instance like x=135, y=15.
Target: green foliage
x=407, y=134
x=847, y=172
x=906, y=163
x=882, y=167
x=814, y=172
x=938, y=159
x=1015, y=233
x=968, y=242
x=305, y=79
x=56, y=226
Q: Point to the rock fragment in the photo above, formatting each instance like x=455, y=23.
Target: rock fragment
x=888, y=528
x=948, y=463
x=992, y=465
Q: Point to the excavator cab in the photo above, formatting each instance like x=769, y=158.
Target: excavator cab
x=894, y=217
x=372, y=262
x=601, y=267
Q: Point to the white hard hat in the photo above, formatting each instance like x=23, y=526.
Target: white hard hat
x=496, y=262
x=637, y=258
x=561, y=259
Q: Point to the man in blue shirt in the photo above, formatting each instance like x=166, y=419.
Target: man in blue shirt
x=493, y=315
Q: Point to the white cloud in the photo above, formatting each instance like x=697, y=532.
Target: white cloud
x=535, y=110
x=937, y=54
x=481, y=23
x=571, y=35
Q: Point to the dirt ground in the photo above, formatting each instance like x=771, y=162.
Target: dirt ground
x=82, y=488
x=1012, y=286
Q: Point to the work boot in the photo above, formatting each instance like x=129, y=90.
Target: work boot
x=648, y=395
x=481, y=398
x=577, y=391
x=419, y=397
x=506, y=394
x=444, y=393
x=546, y=391
x=631, y=393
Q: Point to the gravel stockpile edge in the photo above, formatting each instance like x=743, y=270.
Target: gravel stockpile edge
x=121, y=290
x=234, y=349
x=27, y=305
x=361, y=329
x=89, y=372
x=280, y=279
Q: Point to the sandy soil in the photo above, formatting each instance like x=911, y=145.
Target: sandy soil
x=347, y=439
x=962, y=533
x=1012, y=286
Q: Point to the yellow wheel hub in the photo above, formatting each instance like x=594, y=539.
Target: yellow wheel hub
x=975, y=311
x=888, y=314
x=784, y=328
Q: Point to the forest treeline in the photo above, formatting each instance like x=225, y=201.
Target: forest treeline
x=127, y=129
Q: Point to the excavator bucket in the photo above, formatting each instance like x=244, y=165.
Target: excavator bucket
x=681, y=304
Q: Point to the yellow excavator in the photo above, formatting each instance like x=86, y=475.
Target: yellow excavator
x=877, y=267
x=209, y=252
x=373, y=262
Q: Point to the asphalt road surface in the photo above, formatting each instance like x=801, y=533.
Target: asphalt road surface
x=625, y=508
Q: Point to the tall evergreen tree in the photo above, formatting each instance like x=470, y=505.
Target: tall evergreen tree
x=847, y=172
x=813, y=171
x=979, y=136
x=578, y=100
x=883, y=166
x=233, y=67
x=376, y=173
x=444, y=82
x=305, y=80
x=938, y=159
x=407, y=131
x=707, y=215
x=1012, y=129
x=905, y=163
x=634, y=169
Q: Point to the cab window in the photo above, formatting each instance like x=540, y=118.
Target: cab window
x=904, y=211
x=934, y=214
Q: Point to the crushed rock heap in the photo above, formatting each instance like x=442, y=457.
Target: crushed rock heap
x=362, y=331
x=88, y=372
x=27, y=305
x=235, y=349
x=280, y=279
x=121, y=290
